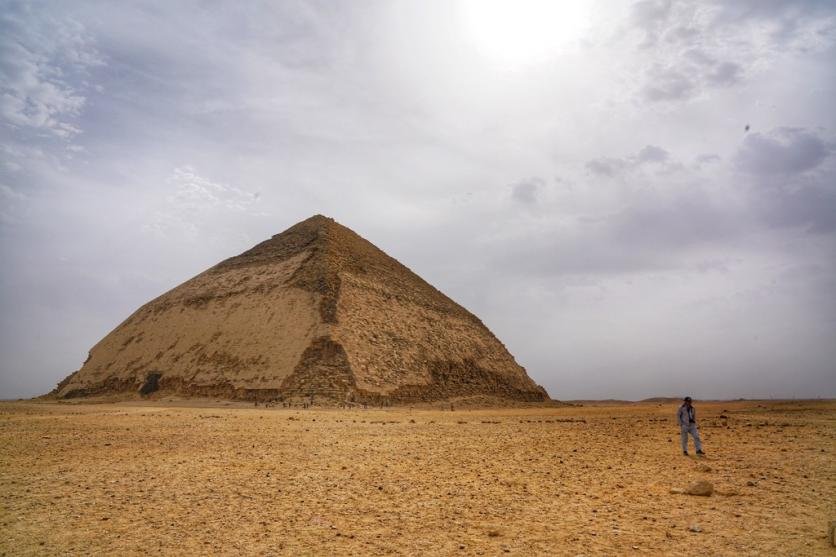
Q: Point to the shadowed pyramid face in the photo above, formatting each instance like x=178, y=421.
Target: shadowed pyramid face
x=315, y=311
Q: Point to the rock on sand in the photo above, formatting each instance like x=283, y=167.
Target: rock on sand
x=701, y=487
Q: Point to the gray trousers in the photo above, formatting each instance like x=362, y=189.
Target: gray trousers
x=684, y=430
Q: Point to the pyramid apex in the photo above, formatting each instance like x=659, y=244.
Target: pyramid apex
x=313, y=224
x=318, y=218
x=317, y=222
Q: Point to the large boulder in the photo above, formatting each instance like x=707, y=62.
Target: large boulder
x=701, y=488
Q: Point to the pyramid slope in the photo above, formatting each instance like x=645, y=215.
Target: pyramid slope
x=315, y=311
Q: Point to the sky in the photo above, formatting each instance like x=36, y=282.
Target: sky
x=637, y=198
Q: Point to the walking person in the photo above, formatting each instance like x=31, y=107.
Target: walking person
x=687, y=418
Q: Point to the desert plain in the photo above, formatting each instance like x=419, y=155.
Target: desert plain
x=138, y=478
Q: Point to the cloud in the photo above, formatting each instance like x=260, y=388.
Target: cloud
x=689, y=49
x=193, y=192
x=782, y=152
x=801, y=26
x=10, y=194
x=610, y=166
x=812, y=208
x=707, y=158
x=667, y=84
x=43, y=62
x=634, y=225
x=526, y=191
x=724, y=74
x=10, y=202
x=606, y=166
x=650, y=16
x=651, y=153
x=646, y=231
x=792, y=175
x=671, y=223
x=198, y=204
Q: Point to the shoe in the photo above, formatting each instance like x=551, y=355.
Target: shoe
x=700, y=453
x=685, y=453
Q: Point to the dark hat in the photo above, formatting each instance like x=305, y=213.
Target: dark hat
x=687, y=399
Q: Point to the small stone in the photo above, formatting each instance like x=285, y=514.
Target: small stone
x=704, y=468
x=751, y=483
x=677, y=491
x=701, y=488
x=694, y=528
x=831, y=533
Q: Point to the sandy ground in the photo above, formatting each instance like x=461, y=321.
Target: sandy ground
x=128, y=479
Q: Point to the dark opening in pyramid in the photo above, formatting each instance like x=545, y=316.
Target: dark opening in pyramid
x=314, y=312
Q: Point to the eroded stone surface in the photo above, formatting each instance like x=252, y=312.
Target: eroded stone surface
x=315, y=312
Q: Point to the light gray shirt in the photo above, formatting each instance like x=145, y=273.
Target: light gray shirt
x=686, y=415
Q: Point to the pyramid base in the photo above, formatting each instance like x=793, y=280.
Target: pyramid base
x=450, y=381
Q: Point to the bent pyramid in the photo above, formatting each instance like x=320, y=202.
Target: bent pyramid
x=315, y=311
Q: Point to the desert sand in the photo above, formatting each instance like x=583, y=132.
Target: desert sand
x=224, y=478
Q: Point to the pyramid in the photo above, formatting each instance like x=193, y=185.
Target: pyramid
x=314, y=313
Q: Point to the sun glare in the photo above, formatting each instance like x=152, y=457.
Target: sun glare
x=521, y=32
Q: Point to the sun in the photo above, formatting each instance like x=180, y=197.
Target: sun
x=522, y=32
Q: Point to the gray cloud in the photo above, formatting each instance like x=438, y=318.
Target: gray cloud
x=667, y=84
x=792, y=24
x=653, y=231
x=611, y=166
x=650, y=16
x=812, y=207
x=673, y=223
x=706, y=158
x=782, y=152
x=691, y=49
x=526, y=191
x=792, y=174
x=606, y=166
x=724, y=74
x=652, y=153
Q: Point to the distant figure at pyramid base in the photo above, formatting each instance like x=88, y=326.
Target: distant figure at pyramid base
x=315, y=313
